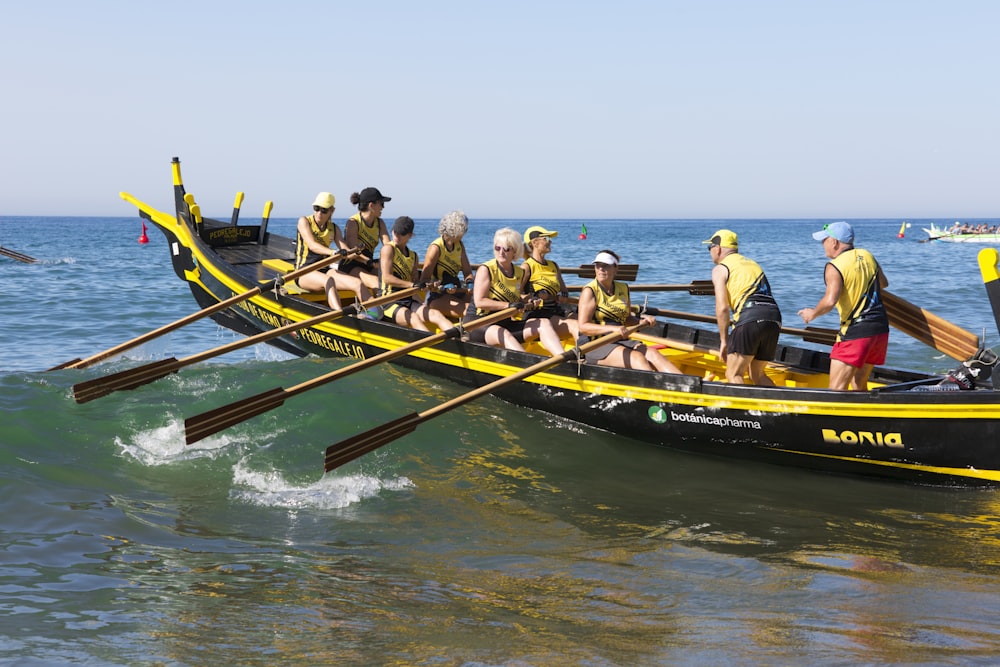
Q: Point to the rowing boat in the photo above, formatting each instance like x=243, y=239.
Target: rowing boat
x=935, y=233
x=909, y=425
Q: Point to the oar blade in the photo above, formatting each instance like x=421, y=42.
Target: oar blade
x=358, y=445
x=211, y=422
x=127, y=379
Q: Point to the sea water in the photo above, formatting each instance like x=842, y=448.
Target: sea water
x=492, y=534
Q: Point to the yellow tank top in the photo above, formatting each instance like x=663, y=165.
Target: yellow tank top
x=327, y=237
x=503, y=288
x=449, y=262
x=749, y=292
x=368, y=235
x=610, y=308
x=403, y=262
x=544, y=277
x=862, y=312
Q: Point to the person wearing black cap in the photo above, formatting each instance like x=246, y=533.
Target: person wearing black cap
x=398, y=268
x=742, y=288
x=364, y=230
x=854, y=284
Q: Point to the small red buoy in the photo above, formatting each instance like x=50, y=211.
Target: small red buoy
x=143, y=238
x=582, y=237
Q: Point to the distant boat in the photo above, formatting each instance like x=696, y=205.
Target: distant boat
x=951, y=235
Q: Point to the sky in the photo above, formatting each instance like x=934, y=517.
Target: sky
x=515, y=109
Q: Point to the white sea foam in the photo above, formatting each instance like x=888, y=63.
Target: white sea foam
x=164, y=445
x=271, y=489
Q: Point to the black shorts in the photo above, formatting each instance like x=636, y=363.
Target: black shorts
x=603, y=351
x=516, y=327
x=758, y=339
x=348, y=265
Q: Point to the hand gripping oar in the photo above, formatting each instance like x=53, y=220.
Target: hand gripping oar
x=222, y=305
x=695, y=287
x=930, y=329
x=136, y=377
x=809, y=334
x=347, y=450
x=213, y=421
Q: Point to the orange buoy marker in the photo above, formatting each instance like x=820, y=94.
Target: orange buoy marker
x=143, y=238
x=902, y=230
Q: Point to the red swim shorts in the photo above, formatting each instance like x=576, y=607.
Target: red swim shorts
x=861, y=351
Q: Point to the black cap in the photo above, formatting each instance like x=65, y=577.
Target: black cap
x=369, y=195
x=403, y=225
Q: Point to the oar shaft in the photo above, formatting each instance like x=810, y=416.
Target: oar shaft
x=213, y=421
x=17, y=256
x=296, y=326
x=400, y=351
x=136, y=377
x=697, y=287
x=359, y=445
x=814, y=334
x=205, y=312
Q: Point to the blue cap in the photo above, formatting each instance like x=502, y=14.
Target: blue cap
x=841, y=231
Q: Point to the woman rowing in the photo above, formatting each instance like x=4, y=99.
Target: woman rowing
x=364, y=230
x=545, y=281
x=444, y=260
x=499, y=284
x=398, y=268
x=605, y=307
x=319, y=237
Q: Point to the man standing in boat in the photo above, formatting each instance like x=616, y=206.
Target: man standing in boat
x=854, y=284
x=741, y=288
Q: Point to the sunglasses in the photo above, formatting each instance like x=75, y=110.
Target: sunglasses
x=714, y=245
x=499, y=248
x=320, y=209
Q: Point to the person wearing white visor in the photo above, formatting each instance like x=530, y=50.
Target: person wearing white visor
x=605, y=307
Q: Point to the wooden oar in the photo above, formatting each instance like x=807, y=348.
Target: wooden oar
x=17, y=256
x=136, y=377
x=626, y=272
x=809, y=334
x=695, y=287
x=930, y=329
x=675, y=344
x=222, y=305
x=347, y=450
x=213, y=421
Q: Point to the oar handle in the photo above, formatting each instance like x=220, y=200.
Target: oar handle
x=812, y=334
x=315, y=266
x=574, y=353
x=696, y=288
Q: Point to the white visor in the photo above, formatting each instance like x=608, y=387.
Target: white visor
x=605, y=258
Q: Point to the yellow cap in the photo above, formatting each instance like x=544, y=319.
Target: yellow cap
x=535, y=232
x=724, y=238
x=325, y=200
